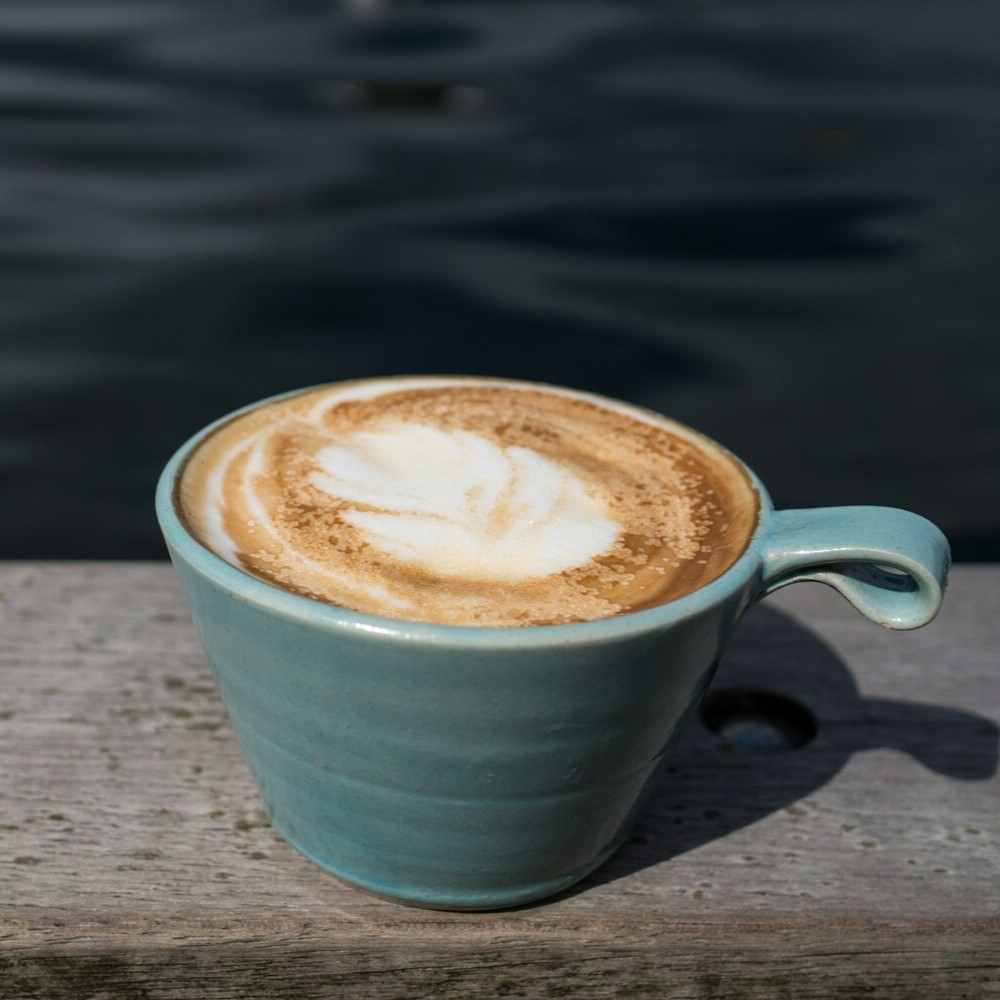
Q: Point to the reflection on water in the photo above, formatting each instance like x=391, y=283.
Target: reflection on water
x=775, y=221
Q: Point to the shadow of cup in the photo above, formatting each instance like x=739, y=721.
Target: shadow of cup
x=783, y=716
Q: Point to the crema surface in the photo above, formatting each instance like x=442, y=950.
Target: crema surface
x=468, y=501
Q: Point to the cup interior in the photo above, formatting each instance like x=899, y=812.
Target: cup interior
x=743, y=498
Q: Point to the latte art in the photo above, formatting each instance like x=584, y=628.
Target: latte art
x=467, y=501
x=457, y=504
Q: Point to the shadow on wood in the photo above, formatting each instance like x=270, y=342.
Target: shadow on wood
x=712, y=787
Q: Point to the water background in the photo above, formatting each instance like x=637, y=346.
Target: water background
x=778, y=222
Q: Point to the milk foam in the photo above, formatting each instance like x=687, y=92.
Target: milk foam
x=478, y=502
x=456, y=504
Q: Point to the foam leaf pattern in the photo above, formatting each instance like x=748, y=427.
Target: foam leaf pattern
x=455, y=503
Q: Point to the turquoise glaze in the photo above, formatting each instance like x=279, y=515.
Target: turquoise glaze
x=477, y=768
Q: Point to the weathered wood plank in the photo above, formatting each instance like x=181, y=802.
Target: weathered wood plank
x=681, y=961
x=135, y=858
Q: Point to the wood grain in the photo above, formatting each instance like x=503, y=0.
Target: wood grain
x=136, y=861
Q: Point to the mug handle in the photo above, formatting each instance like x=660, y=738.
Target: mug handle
x=890, y=564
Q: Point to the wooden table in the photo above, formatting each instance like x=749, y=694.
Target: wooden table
x=136, y=861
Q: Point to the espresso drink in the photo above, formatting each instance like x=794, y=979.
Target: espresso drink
x=468, y=501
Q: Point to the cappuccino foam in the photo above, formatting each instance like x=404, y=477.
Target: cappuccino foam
x=468, y=501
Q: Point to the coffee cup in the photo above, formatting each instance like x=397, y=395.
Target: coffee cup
x=468, y=764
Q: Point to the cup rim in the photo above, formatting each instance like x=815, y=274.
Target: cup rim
x=183, y=546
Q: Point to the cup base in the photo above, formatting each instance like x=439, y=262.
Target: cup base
x=465, y=900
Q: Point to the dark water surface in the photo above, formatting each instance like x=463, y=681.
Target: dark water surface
x=779, y=222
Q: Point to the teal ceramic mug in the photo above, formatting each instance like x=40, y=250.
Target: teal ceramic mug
x=477, y=768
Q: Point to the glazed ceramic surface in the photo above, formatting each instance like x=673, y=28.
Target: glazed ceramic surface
x=475, y=768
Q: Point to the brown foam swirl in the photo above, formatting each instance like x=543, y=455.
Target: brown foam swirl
x=468, y=501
